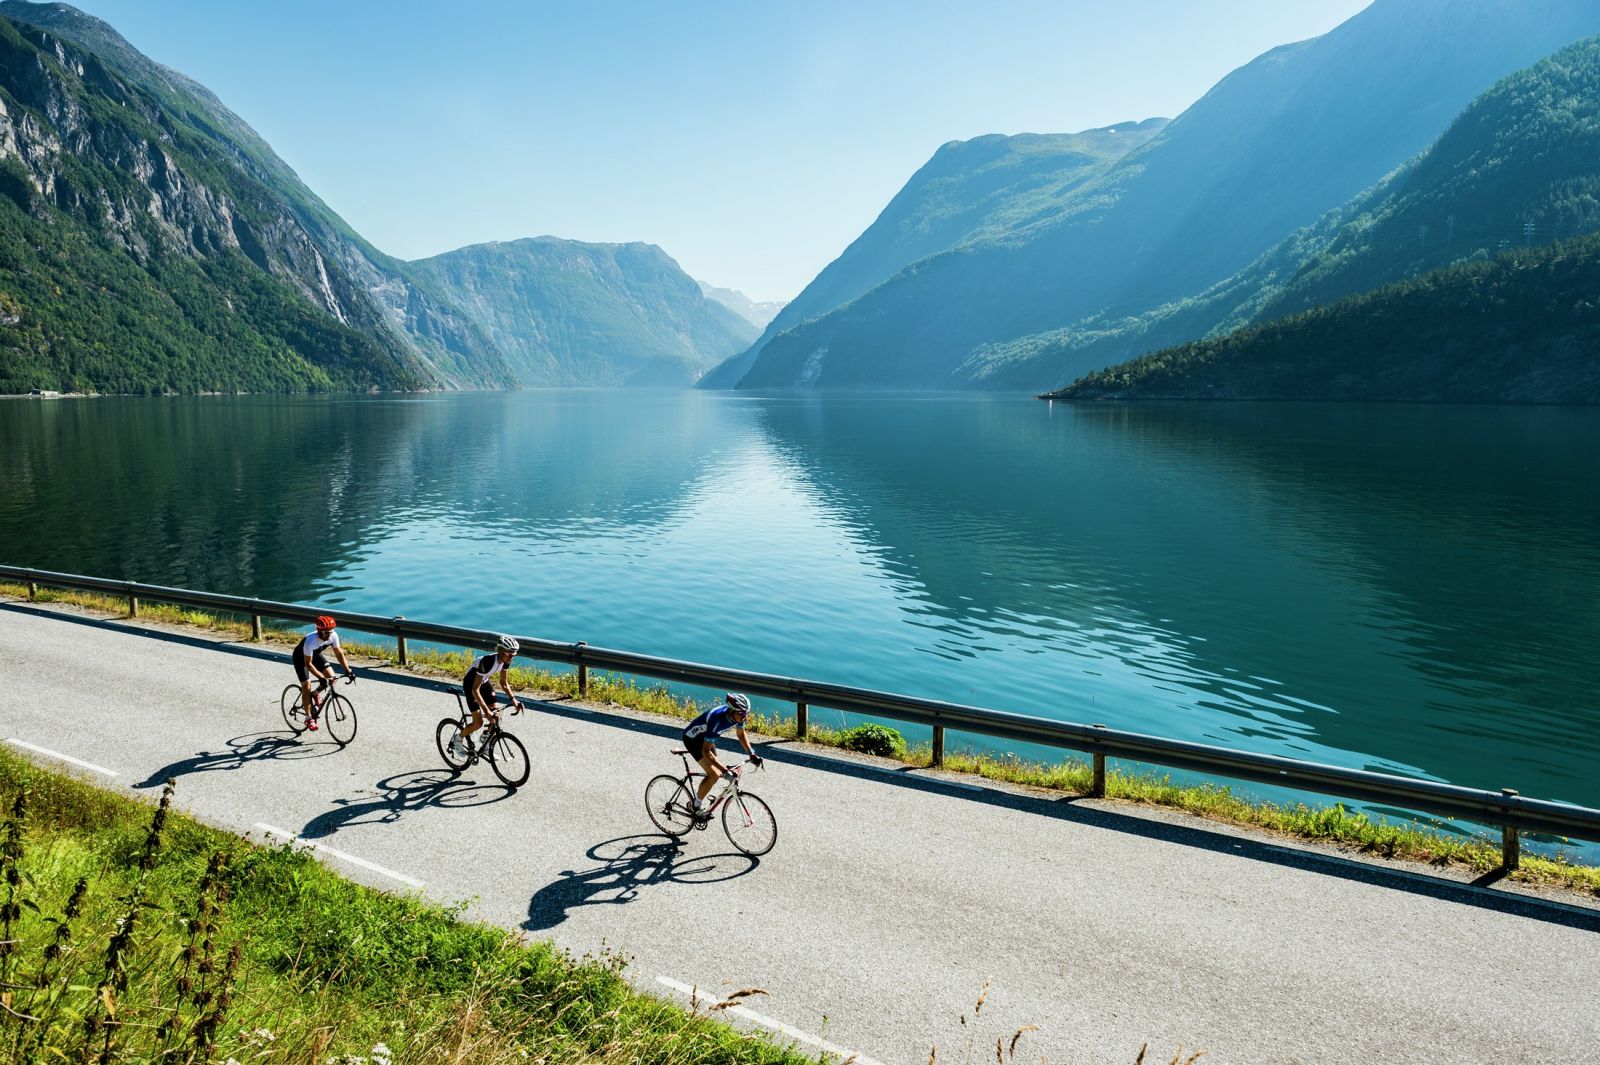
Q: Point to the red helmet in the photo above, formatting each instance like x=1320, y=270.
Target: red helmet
x=325, y=621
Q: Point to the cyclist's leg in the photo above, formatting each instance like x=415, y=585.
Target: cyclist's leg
x=706, y=756
x=323, y=672
x=486, y=693
x=304, y=674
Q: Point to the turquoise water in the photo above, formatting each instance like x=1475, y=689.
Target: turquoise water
x=1401, y=588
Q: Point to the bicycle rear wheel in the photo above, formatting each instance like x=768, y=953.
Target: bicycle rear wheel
x=289, y=703
x=666, y=800
x=509, y=760
x=443, y=734
x=339, y=718
x=749, y=823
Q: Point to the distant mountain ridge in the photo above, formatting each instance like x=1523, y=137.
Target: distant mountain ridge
x=968, y=190
x=151, y=241
x=757, y=313
x=1408, y=292
x=563, y=312
x=1275, y=145
x=1520, y=165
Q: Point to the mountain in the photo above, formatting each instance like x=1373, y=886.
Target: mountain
x=756, y=313
x=1520, y=165
x=1270, y=149
x=567, y=313
x=969, y=190
x=186, y=254
x=1523, y=327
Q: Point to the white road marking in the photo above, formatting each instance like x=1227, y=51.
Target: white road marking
x=842, y=1053
x=62, y=757
x=341, y=855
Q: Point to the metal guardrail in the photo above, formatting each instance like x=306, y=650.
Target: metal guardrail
x=1506, y=809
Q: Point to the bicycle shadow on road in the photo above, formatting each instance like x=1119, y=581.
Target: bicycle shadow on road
x=242, y=750
x=400, y=793
x=628, y=865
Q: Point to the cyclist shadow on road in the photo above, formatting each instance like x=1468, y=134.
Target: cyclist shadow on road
x=417, y=789
x=629, y=864
x=241, y=750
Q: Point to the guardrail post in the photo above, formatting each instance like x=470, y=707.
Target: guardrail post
x=133, y=604
x=938, y=746
x=800, y=721
x=255, y=627
x=583, y=671
x=1097, y=789
x=400, y=642
x=33, y=591
x=1510, y=841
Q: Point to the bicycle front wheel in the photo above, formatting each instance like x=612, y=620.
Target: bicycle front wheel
x=443, y=735
x=339, y=718
x=509, y=760
x=749, y=823
x=293, y=716
x=666, y=800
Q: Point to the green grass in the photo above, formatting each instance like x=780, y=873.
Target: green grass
x=1335, y=824
x=140, y=935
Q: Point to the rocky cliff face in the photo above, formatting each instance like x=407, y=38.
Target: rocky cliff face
x=155, y=166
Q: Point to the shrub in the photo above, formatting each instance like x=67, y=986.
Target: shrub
x=874, y=739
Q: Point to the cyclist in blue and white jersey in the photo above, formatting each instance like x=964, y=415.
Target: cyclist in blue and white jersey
x=699, y=737
x=478, y=685
x=310, y=660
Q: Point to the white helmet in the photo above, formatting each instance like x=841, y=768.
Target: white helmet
x=738, y=702
x=506, y=643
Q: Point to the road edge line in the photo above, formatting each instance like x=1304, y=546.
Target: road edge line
x=843, y=1053
x=63, y=757
x=341, y=855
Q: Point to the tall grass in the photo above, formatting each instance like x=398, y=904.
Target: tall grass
x=137, y=934
x=1333, y=824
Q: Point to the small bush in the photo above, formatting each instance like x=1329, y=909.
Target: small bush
x=874, y=739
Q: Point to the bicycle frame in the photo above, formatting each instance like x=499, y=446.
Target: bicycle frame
x=732, y=775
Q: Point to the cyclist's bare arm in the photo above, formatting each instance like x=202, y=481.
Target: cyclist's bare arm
x=505, y=686
x=343, y=661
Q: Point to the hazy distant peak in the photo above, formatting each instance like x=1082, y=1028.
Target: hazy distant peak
x=757, y=312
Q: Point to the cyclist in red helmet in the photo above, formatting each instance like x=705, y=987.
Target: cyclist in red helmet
x=310, y=661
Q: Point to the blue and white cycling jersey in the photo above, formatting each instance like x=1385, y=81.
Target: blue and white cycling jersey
x=711, y=724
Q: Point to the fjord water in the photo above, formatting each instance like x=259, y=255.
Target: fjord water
x=1402, y=588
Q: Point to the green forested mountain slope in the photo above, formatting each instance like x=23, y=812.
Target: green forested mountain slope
x=569, y=313
x=188, y=256
x=1271, y=148
x=1521, y=165
x=981, y=189
x=1523, y=327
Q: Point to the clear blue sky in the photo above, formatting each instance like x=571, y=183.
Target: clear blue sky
x=752, y=140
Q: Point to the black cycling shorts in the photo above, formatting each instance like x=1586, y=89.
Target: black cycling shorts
x=696, y=745
x=485, y=689
x=317, y=659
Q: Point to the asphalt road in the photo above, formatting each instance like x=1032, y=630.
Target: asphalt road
x=889, y=900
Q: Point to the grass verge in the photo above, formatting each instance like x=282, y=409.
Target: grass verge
x=136, y=934
x=1334, y=824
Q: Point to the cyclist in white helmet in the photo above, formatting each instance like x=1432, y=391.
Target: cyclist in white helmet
x=699, y=737
x=479, y=687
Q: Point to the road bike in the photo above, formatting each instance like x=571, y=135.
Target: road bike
x=334, y=712
x=746, y=818
x=504, y=752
